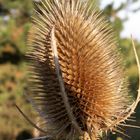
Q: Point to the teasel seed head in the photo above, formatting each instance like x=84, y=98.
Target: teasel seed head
x=77, y=82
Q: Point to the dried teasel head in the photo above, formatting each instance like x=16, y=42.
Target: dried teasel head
x=77, y=82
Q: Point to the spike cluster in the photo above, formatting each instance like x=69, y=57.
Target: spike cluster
x=86, y=91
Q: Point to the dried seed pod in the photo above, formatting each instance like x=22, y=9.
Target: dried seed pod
x=77, y=82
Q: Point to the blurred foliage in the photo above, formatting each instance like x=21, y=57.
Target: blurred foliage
x=14, y=27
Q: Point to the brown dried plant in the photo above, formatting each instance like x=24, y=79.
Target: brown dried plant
x=77, y=82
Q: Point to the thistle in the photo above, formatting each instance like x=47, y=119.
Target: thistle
x=77, y=82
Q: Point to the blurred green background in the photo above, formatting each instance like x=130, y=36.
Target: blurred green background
x=15, y=23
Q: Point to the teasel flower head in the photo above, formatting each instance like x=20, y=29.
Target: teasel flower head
x=77, y=82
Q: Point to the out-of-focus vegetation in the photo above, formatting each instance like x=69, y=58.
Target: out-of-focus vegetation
x=14, y=27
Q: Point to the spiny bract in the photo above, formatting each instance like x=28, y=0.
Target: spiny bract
x=95, y=96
